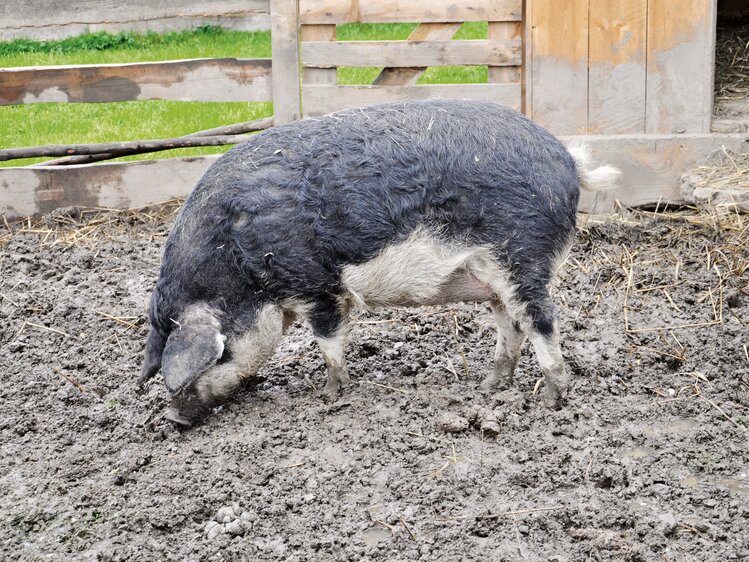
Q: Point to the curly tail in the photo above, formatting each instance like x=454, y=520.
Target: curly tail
x=602, y=178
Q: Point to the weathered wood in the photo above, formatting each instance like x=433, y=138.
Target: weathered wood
x=410, y=53
x=560, y=65
x=235, y=129
x=617, y=66
x=118, y=149
x=319, y=99
x=391, y=11
x=393, y=76
x=651, y=165
x=286, y=68
x=681, y=51
x=526, y=68
x=186, y=80
x=319, y=75
x=505, y=31
x=55, y=19
x=30, y=191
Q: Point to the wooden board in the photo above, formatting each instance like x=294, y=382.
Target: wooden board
x=55, y=19
x=410, y=53
x=32, y=191
x=390, y=11
x=617, y=66
x=505, y=31
x=651, y=165
x=286, y=69
x=319, y=75
x=319, y=100
x=560, y=65
x=392, y=76
x=680, y=55
x=187, y=80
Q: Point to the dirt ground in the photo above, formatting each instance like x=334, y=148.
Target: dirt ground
x=649, y=460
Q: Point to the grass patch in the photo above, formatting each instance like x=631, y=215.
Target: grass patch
x=104, y=48
x=67, y=123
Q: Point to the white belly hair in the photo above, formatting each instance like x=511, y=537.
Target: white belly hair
x=421, y=270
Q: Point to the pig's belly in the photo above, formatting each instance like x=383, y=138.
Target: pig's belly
x=422, y=270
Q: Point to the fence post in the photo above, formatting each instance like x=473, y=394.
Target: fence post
x=286, y=70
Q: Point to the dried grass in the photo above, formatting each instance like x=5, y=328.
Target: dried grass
x=724, y=169
x=73, y=226
x=732, y=63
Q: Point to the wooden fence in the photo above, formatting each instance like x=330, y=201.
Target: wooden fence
x=56, y=19
x=632, y=75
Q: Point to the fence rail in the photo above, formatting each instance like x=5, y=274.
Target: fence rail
x=55, y=19
x=185, y=80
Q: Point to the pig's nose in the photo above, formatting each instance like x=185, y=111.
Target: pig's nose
x=174, y=415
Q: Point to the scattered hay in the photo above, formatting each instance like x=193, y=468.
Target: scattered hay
x=724, y=169
x=732, y=64
x=72, y=226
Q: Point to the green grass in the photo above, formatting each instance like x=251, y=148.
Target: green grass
x=68, y=123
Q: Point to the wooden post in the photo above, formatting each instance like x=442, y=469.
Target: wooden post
x=286, y=69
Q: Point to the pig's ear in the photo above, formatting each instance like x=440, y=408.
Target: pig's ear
x=190, y=351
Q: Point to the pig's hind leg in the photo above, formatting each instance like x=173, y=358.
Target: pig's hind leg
x=510, y=339
x=527, y=305
x=329, y=321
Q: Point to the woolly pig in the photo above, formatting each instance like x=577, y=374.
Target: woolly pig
x=402, y=204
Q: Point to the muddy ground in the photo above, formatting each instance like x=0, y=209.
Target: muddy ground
x=649, y=460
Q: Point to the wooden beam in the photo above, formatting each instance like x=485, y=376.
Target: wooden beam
x=651, y=165
x=34, y=191
x=287, y=104
x=319, y=75
x=617, y=67
x=393, y=76
x=320, y=100
x=410, y=53
x=560, y=65
x=393, y=11
x=55, y=19
x=680, y=59
x=186, y=80
x=505, y=31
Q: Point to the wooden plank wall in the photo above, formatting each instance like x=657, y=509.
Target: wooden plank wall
x=56, y=19
x=186, y=80
x=652, y=166
x=630, y=66
x=430, y=44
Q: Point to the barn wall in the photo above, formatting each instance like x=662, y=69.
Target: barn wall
x=625, y=67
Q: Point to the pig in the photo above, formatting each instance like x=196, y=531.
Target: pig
x=395, y=205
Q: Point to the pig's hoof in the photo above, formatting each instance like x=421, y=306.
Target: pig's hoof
x=494, y=382
x=554, y=398
x=175, y=417
x=331, y=390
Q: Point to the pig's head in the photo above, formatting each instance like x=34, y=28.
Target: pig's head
x=206, y=353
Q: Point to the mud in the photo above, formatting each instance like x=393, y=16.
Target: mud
x=649, y=460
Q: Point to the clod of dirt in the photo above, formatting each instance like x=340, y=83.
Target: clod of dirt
x=230, y=521
x=452, y=423
x=486, y=420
